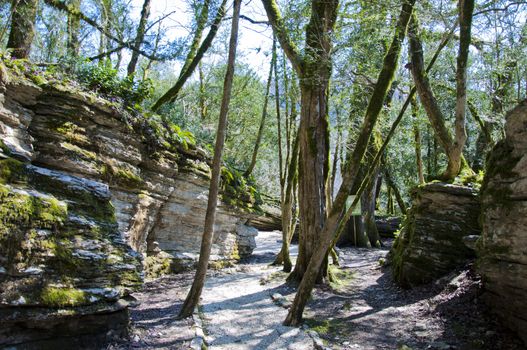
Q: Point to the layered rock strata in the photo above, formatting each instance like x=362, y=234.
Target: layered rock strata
x=502, y=248
x=85, y=188
x=431, y=240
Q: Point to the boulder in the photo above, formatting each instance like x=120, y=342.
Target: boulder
x=502, y=249
x=431, y=240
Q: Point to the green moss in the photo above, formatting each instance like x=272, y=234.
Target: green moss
x=4, y=148
x=79, y=152
x=59, y=297
x=12, y=170
x=72, y=132
x=340, y=278
x=38, y=79
x=122, y=176
x=220, y=264
x=235, y=254
x=321, y=327
x=21, y=209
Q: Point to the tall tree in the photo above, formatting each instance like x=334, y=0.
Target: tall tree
x=417, y=141
x=373, y=110
x=22, y=27
x=73, y=44
x=258, y=141
x=314, y=71
x=456, y=161
x=139, y=37
x=208, y=231
x=466, y=9
x=195, y=54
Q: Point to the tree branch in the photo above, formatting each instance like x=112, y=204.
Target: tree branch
x=290, y=49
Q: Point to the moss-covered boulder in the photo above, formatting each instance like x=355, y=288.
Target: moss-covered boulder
x=62, y=259
x=502, y=249
x=430, y=243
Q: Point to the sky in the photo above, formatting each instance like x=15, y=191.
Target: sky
x=254, y=40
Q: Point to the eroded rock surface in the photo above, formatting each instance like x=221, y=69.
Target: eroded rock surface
x=86, y=189
x=431, y=240
x=503, y=245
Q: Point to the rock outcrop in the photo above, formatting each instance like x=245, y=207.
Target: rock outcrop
x=502, y=248
x=82, y=182
x=431, y=240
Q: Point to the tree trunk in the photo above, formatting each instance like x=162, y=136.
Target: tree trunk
x=105, y=9
x=139, y=37
x=466, y=8
x=258, y=141
x=391, y=184
x=373, y=110
x=22, y=28
x=202, y=105
x=172, y=93
x=288, y=219
x=417, y=141
x=208, y=231
x=73, y=44
x=429, y=102
x=314, y=70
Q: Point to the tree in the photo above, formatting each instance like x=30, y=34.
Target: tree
x=73, y=44
x=384, y=81
x=206, y=243
x=194, y=56
x=22, y=27
x=452, y=146
x=139, y=37
x=314, y=71
x=250, y=168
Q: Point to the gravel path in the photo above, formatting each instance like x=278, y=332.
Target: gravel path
x=243, y=308
x=238, y=310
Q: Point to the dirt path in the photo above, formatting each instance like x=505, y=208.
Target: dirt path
x=239, y=312
x=366, y=311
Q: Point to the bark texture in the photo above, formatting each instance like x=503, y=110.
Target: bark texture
x=373, y=110
x=314, y=70
x=139, y=37
x=22, y=28
x=208, y=231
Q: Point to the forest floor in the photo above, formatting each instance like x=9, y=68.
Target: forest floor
x=243, y=307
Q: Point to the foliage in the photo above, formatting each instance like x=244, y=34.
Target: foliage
x=106, y=80
x=239, y=191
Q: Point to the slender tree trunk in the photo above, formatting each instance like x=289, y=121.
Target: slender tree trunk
x=200, y=27
x=22, y=27
x=389, y=203
x=105, y=9
x=202, y=104
x=417, y=141
x=172, y=93
x=391, y=184
x=281, y=168
x=431, y=106
x=72, y=44
x=466, y=8
x=208, y=231
x=139, y=37
x=288, y=219
x=373, y=110
x=258, y=141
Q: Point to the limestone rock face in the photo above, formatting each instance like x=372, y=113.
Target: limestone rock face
x=86, y=191
x=503, y=245
x=430, y=243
